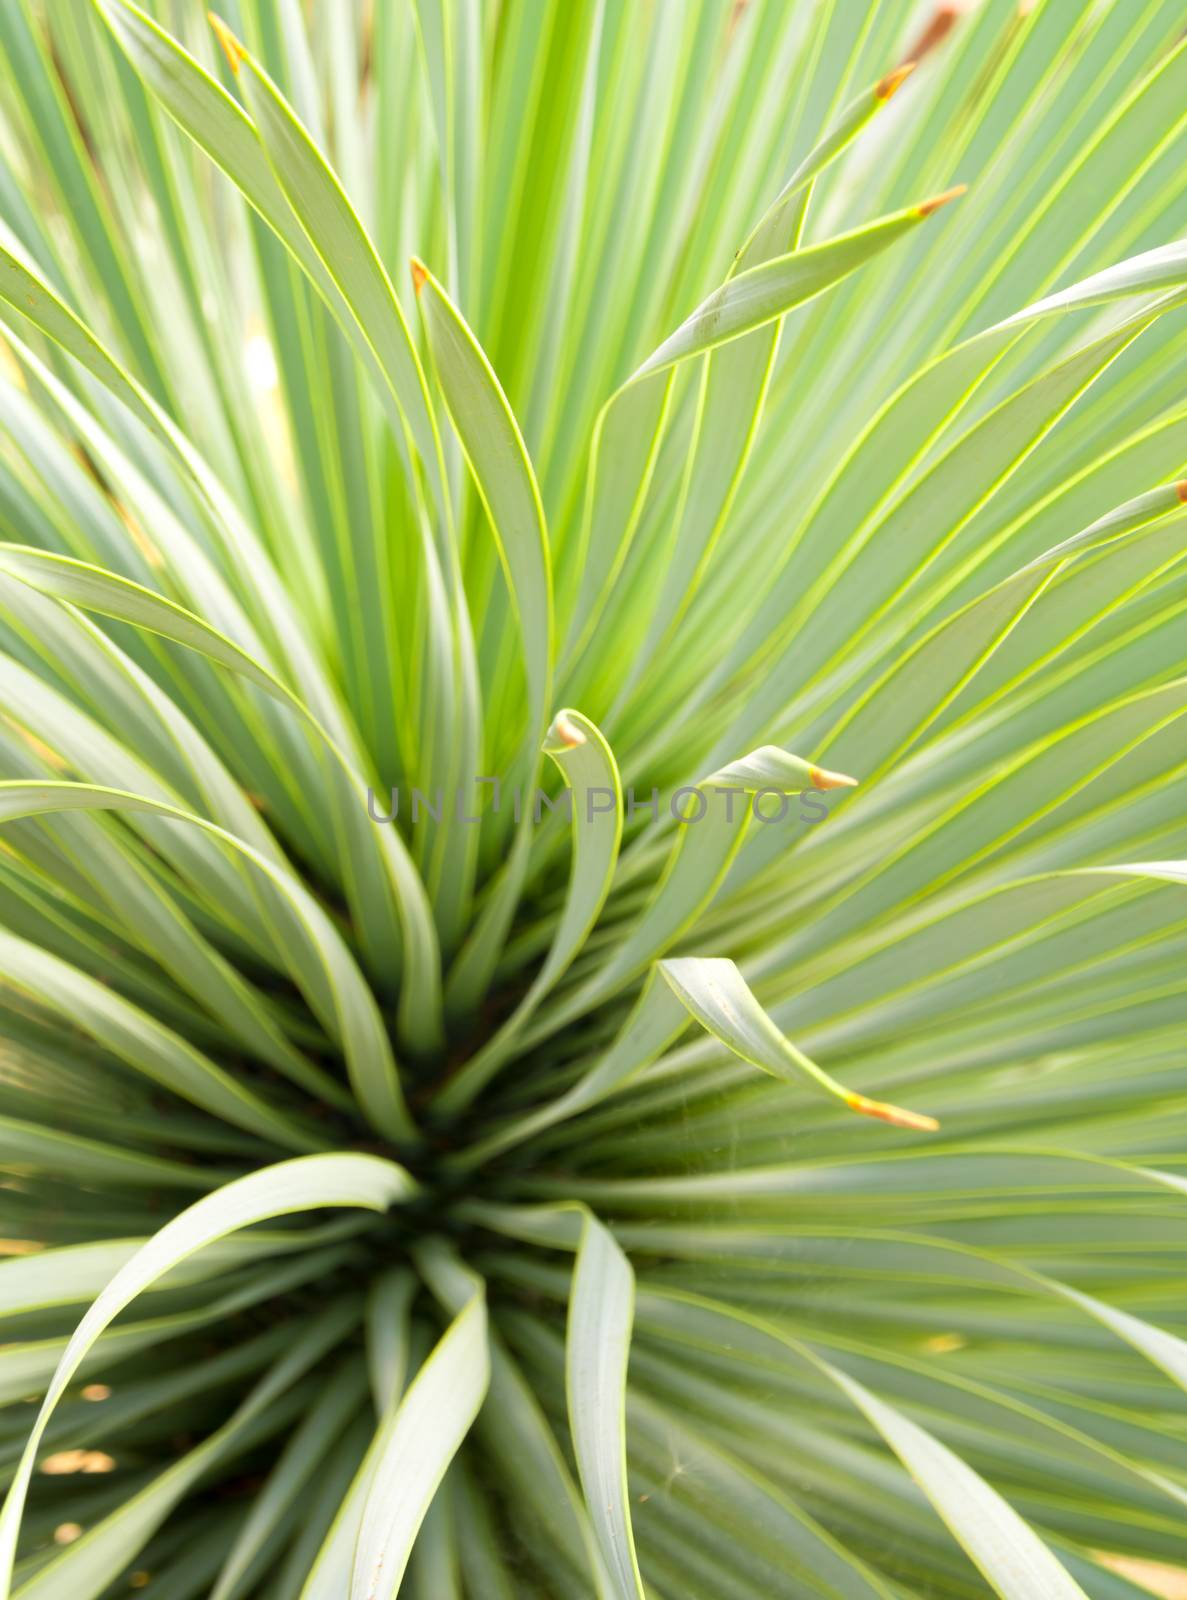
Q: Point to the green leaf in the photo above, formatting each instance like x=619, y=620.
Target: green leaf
x=301, y=1458
x=504, y=478
x=110, y=595
x=735, y=382
x=1012, y=1558
x=219, y=126
x=717, y=995
x=28, y=1147
x=426, y=1432
x=770, y=290
x=1017, y=1565
x=353, y=1010
x=145, y=1044
x=299, y=1185
x=587, y=765
x=84, y=1570
x=506, y=486
x=600, y=1313
x=885, y=721
x=35, y=301
x=719, y=808
x=333, y=228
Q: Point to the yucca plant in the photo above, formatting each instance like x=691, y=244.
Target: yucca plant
x=568, y=641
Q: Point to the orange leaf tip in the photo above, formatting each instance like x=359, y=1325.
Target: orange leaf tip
x=420, y=275
x=890, y=85
x=232, y=49
x=568, y=732
x=892, y=1114
x=1181, y=490
x=934, y=204
x=822, y=778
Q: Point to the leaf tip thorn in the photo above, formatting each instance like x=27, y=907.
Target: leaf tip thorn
x=232, y=48
x=822, y=778
x=895, y=1115
x=563, y=734
x=1181, y=490
x=890, y=85
x=938, y=200
x=420, y=274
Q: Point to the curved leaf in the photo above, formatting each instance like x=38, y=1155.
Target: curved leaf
x=299, y=1185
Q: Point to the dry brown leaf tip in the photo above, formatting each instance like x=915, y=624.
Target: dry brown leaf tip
x=937, y=28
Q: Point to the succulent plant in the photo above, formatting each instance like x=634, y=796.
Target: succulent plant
x=573, y=641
